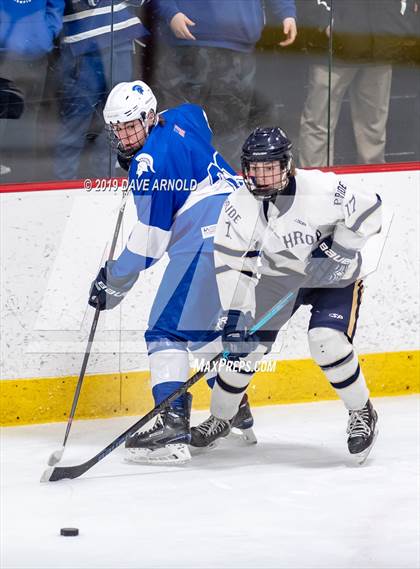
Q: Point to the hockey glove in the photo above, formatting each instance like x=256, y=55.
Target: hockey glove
x=108, y=291
x=328, y=264
x=236, y=344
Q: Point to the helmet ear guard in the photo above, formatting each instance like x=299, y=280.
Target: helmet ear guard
x=269, y=151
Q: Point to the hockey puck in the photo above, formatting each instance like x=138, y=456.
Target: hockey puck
x=69, y=531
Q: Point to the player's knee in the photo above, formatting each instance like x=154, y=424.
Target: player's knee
x=169, y=365
x=337, y=358
x=328, y=345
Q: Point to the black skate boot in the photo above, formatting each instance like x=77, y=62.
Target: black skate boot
x=244, y=421
x=209, y=431
x=212, y=429
x=167, y=441
x=362, y=431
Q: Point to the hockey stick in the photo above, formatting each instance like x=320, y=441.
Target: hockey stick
x=59, y=472
x=56, y=456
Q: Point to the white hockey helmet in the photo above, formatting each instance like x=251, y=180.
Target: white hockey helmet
x=129, y=101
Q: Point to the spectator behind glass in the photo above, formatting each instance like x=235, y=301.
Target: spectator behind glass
x=86, y=76
x=209, y=60
x=11, y=100
x=367, y=38
x=11, y=107
x=27, y=33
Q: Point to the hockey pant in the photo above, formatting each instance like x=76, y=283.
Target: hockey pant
x=180, y=321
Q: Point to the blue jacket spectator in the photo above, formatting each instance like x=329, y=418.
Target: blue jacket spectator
x=236, y=25
x=28, y=29
x=89, y=23
x=208, y=58
x=96, y=53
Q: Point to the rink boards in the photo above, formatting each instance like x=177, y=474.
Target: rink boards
x=53, y=242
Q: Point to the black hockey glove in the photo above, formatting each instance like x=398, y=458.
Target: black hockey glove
x=328, y=265
x=236, y=325
x=108, y=291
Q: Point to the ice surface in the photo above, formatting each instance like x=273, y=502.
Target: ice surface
x=295, y=500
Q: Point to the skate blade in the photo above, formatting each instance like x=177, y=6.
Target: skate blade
x=246, y=435
x=361, y=457
x=200, y=450
x=169, y=454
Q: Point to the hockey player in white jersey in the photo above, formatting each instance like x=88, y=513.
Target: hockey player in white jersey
x=292, y=230
x=179, y=185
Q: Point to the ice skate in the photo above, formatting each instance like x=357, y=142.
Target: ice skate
x=167, y=441
x=362, y=432
x=209, y=432
x=244, y=421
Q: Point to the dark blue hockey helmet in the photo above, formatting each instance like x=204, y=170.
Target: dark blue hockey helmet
x=267, y=162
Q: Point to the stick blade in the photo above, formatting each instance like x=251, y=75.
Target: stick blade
x=55, y=457
x=47, y=475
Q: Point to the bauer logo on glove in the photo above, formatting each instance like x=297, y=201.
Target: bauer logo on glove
x=333, y=255
x=108, y=291
x=330, y=264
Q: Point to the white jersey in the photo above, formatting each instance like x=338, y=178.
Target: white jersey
x=265, y=238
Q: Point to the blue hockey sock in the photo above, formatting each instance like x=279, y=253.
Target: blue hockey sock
x=210, y=382
x=162, y=390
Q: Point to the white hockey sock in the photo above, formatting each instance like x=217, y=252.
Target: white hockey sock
x=231, y=383
x=337, y=358
x=225, y=399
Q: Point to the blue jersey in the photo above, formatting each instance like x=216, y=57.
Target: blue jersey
x=88, y=25
x=229, y=25
x=179, y=184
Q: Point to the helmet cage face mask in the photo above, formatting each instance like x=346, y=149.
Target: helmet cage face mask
x=267, y=162
x=129, y=137
x=266, y=179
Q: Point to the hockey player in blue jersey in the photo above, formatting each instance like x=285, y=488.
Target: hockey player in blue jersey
x=179, y=184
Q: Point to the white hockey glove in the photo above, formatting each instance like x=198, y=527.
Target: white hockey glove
x=328, y=265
